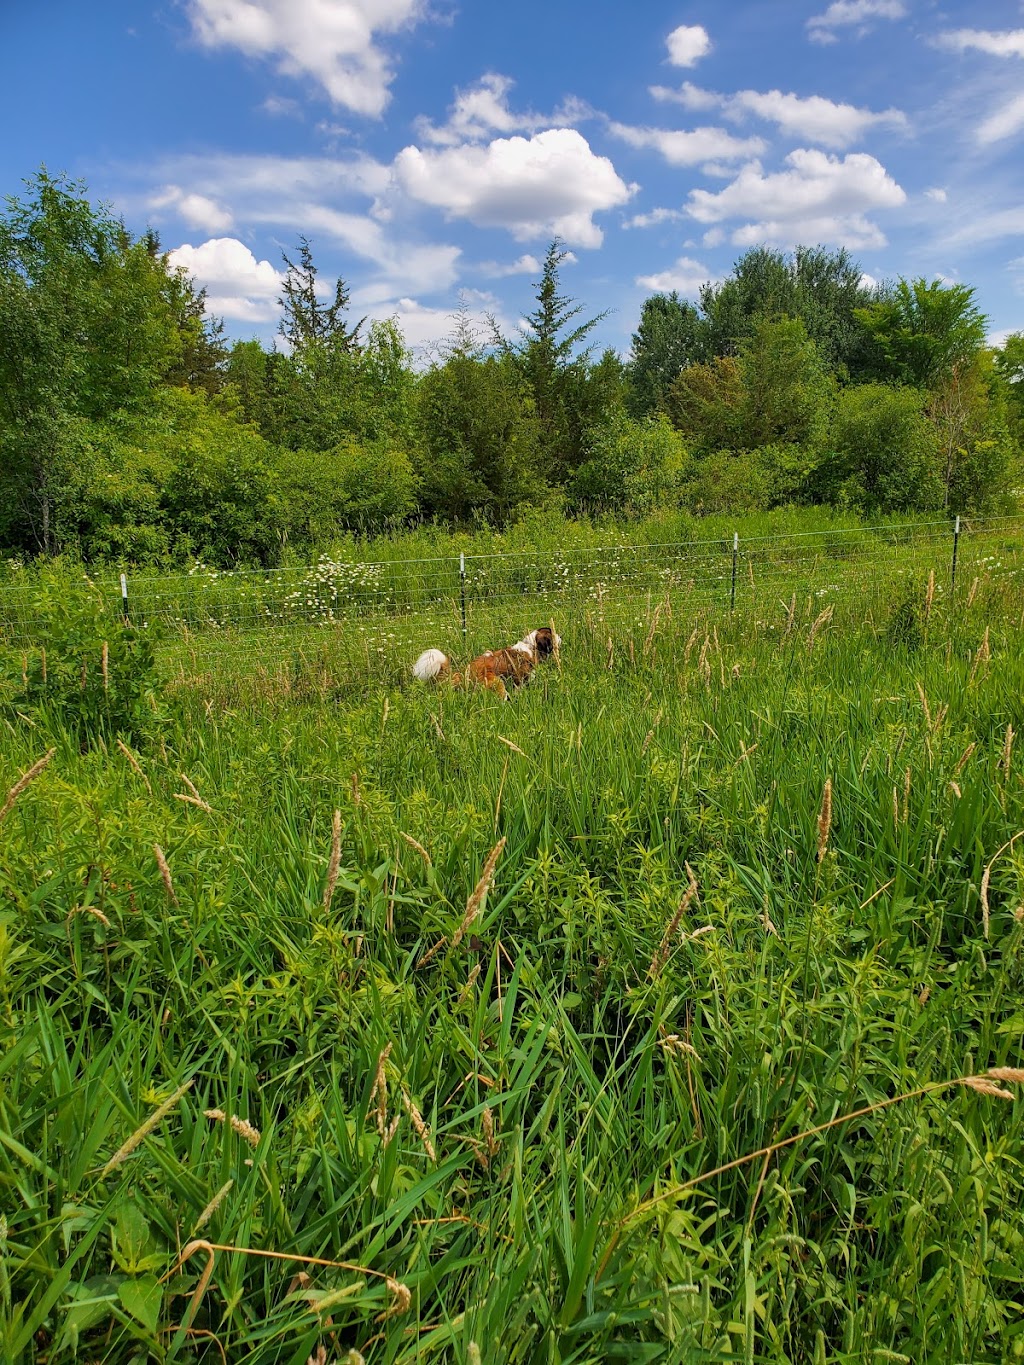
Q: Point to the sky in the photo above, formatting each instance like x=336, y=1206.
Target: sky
x=431, y=149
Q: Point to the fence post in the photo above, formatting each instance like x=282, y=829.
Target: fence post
x=462, y=590
x=735, y=556
x=124, y=598
x=956, y=546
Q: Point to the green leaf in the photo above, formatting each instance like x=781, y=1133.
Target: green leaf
x=143, y=1298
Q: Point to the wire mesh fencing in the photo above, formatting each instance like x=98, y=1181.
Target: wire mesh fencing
x=470, y=601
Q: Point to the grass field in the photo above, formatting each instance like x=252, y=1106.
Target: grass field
x=344, y=1018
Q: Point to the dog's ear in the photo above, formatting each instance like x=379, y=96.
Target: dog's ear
x=545, y=642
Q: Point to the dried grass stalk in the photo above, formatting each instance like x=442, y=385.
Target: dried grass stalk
x=379, y=1090
x=825, y=818
x=479, y=895
x=419, y=1124
x=418, y=847
x=23, y=781
x=987, y=874
x=1014, y=1074
x=334, y=863
x=987, y=1087
x=665, y=947
x=1007, y=757
x=143, y=1131
x=192, y=797
x=136, y=766
x=401, y=1300
x=105, y=666
x=165, y=873
x=819, y=622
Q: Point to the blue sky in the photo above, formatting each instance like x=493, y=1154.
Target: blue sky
x=430, y=149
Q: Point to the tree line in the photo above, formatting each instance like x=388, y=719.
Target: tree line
x=131, y=430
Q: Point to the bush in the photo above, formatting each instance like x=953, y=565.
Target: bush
x=633, y=466
x=93, y=674
x=882, y=454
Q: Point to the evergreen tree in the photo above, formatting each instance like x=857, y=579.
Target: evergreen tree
x=555, y=370
x=307, y=321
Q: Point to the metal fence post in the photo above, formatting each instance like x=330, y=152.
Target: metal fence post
x=956, y=546
x=124, y=599
x=735, y=556
x=462, y=590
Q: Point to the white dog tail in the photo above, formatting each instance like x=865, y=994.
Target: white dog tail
x=430, y=665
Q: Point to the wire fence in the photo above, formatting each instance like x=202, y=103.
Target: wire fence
x=463, y=598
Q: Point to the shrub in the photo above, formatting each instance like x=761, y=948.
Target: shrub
x=93, y=674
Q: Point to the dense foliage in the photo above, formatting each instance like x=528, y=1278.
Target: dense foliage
x=277, y=1086
x=131, y=431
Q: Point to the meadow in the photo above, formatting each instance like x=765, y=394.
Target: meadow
x=669, y=1012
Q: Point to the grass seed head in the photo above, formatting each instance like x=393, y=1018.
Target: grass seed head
x=986, y=1087
x=479, y=893
x=23, y=781
x=334, y=863
x=165, y=873
x=825, y=818
x=155, y=1119
x=213, y=1206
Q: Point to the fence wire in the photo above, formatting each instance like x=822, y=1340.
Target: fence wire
x=463, y=600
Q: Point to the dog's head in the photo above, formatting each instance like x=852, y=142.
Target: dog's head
x=545, y=642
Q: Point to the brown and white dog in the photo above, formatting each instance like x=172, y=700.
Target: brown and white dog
x=498, y=669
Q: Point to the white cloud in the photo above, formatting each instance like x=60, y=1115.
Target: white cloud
x=685, y=277
x=1005, y=122
x=281, y=106
x=654, y=218
x=687, y=44
x=325, y=198
x=483, y=109
x=197, y=210
x=811, y=118
x=849, y=14
x=936, y=194
x=990, y=226
x=549, y=183
x=1009, y=43
x=332, y=41
x=525, y=265
x=425, y=328
x=868, y=281
x=238, y=286
x=819, y=198
x=690, y=96
x=689, y=148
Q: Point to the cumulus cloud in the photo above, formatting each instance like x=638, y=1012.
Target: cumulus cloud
x=483, y=109
x=197, y=210
x=525, y=265
x=811, y=118
x=654, y=218
x=687, y=44
x=1008, y=43
x=238, y=286
x=549, y=183
x=334, y=42
x=818, y=198
x=325, y=198
x=858, y=14
x=689, y=148
x=685, y=277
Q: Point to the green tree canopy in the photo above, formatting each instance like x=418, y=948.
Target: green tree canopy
x=922, y=331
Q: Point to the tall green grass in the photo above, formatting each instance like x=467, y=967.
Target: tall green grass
x=574, y=1098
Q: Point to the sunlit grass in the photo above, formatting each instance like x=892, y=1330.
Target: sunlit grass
x=241, y=1118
